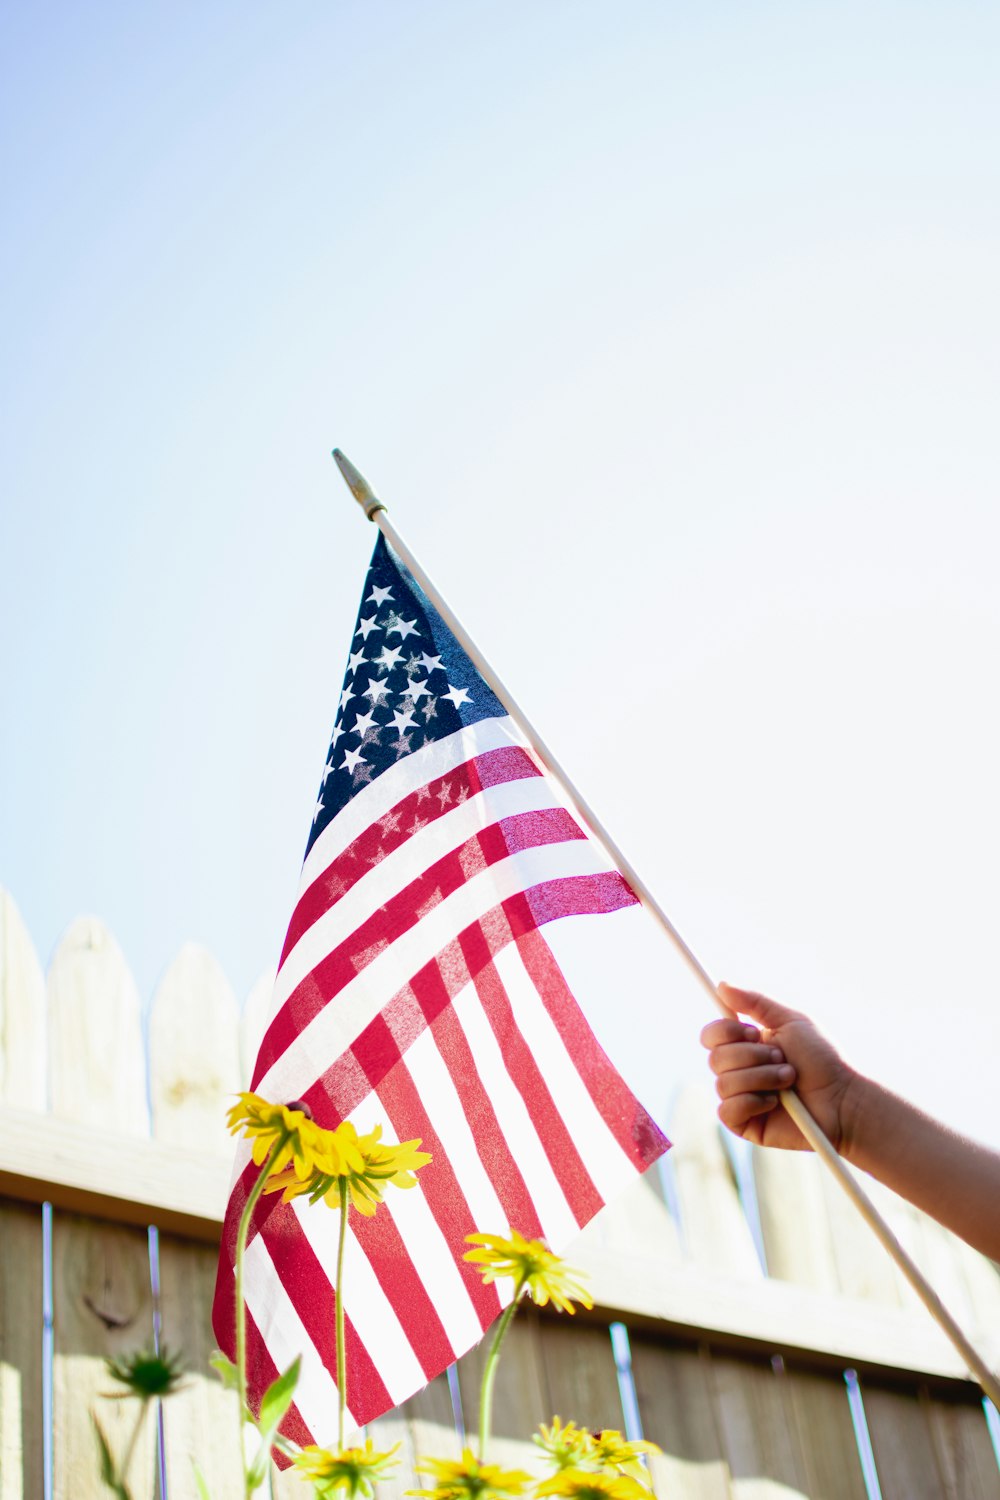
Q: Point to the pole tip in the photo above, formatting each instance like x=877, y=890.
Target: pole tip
x=358, y=485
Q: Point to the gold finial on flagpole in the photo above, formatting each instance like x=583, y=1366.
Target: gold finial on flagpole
x=358, y=485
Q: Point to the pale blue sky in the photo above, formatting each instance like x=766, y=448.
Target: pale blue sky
x=671, y=336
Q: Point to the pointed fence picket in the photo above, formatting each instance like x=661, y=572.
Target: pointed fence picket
x=737, y=1368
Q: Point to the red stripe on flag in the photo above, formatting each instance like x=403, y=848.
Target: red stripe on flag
x=564, y=1158
x=387, y=833
x=439, y=1184
x=311, y=1292
x=401, y=913
x=261, y=1369
x=491, y=1143
x=345, y=1083
x=636, y=1132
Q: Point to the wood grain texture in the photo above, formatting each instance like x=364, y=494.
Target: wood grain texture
x=520, y=1394
x=124, y=1178
x=20, y=1352
x=431, y=1420
x=963, y=1448
x=22, y=1014
x=636, y=1227
x=97, y=1057
x=388, y=1432
x=793, y=1219
x=825, y=1433
x=904, y=1449
x=677, y=1409
x=715, y=1231
x=756, y=1421
x=202, y=1421
x=579, y=1374
x=102, y=1306
x=194, y=1053
x=864, y=1270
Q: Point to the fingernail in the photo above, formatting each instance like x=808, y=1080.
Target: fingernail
x=777, y=1055
x=786, y=1074
x=751, y=1032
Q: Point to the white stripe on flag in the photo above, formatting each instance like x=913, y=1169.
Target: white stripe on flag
x=282, y=1330
x=381, y=795
x=381, y=882
x=558, y=1221
x=607, y=1163
x=443, y=1106
x=330, y=1033
x=365, y=1303
x=426, y=1245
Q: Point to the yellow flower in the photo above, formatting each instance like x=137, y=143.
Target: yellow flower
x=356, y=1471
x=468, y=1479
x=367, y=1168
x=531, y=1264
x=564, y=1445
x=612, y=1451
x=307, y=1146
x=581, y=1484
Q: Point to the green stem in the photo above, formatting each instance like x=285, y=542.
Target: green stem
x=241, y=1245
x=490, y=1370
x=341, y=1342
x=123, y=1473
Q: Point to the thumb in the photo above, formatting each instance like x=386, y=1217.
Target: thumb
x=767, y=1013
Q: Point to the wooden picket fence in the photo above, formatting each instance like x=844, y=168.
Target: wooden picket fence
x=821, y=1376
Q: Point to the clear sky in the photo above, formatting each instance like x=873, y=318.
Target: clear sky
x=670, y=334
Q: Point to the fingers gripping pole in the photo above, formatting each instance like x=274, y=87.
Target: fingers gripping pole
x=376, y=511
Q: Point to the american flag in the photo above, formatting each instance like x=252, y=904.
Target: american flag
x=416, y=990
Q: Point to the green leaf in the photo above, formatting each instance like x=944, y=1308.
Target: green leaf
x=257, y=1471
x=109, y=1473
x=274, y=1404
x=276, y=1400
x=226, y=1370
x=199, y=1480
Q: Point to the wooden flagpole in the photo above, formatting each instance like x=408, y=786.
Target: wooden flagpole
x=376, y=511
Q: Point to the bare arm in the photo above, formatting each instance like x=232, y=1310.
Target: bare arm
x=955, y=1180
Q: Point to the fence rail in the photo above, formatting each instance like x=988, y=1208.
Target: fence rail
x=809, y=1378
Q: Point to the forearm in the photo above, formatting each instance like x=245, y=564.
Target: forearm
x=955, y=1180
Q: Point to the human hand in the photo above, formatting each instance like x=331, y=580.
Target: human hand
x=754, y=1063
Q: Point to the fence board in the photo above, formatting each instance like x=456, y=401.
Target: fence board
x=636, y=1227
x=864, y=1269
x=829, y=1449
x=754, y=1412
x=715, y=1230
x=432, y=1422
x=286, y=1484
x=254, y=1018
x=520, y=1395
x=20, y=1352
x=102, y=1306
x=424, y=1427
x=964, y=1450
x=201, y=1422
x=904, y=1450
x=677, y=1409
x=22, y=1013
x=97, y=1060
x=579, y=1370
x=194, y=1053
x=793, y=1219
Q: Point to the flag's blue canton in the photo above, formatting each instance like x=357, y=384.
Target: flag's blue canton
x=408, y=681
